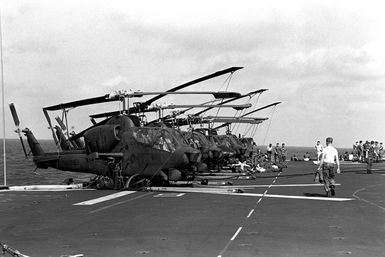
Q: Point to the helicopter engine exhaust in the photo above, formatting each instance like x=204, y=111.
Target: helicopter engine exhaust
x=102, y=138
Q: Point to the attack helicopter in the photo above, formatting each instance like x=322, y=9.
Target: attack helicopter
x=232, y=147
x=118, y=147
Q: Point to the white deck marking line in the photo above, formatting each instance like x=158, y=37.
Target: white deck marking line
x=367, y=201
x=244, y=222
x=228, y=192
x=105, y=198
x=236, y=234
x=281, y=185
x=169, y=195
x=118, y=203
x=251, y=212
x=333, y=199
x=49, y=188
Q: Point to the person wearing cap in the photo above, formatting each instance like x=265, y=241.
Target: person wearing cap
x=328, y=160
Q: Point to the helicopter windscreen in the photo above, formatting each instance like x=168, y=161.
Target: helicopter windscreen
x=224, y=141
x=159, y=138
x=233, y=140
x=177, y=134
x=201, y=138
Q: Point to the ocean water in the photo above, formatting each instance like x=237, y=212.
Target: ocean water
x=300, y=151
x=21, y=171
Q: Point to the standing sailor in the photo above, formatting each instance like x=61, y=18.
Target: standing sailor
x=269, y=150
x=328, y=159
x=277, y=153
x=370, y=157
x=319, y=148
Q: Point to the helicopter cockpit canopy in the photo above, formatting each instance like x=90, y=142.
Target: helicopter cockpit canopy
x=159, y=138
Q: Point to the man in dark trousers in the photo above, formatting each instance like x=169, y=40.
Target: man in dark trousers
x=277, y=153
x=360, y=152
x=328, y=160
x=370, y=157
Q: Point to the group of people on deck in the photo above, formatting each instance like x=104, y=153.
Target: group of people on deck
x=368, y=151
x=276, y=154
x=273, y=156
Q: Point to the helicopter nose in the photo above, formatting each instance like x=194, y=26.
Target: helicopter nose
x=229, y=154
x=186, y=159
x=217, y=154
x=242, y=150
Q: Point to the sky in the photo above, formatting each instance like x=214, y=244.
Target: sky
x=324, y=60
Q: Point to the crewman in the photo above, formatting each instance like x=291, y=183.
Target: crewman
x=254, y=154
x=370, y=157
x=328, y=159
x=283, y=153
x=283, y=163
x=277, y=153
x=269, y=151
x=376, y=151
x=319, y=149
x=360, y=151
x=380, y=152
x=365, y=147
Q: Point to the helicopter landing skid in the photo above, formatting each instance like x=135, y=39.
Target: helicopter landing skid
x=136, y=182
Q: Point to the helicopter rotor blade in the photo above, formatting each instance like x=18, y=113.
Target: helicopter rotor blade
x=88, y=101
x=174, y=115
x=177, y=106
x=17, y=124
x=195, y=81
x=248, y=113
x=260, y=91
x=217, y=95
x=14, y=115
x=61, y=123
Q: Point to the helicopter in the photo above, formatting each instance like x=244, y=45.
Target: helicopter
x=232, y=147
x=119, y=148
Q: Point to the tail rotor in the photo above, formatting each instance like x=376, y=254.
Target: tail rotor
x=17, y=124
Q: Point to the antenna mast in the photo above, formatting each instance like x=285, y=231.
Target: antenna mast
x=3, y=99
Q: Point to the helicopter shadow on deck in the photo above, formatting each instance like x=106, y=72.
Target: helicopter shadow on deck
x=314, y=194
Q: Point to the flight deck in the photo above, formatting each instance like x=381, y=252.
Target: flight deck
x=276, y=214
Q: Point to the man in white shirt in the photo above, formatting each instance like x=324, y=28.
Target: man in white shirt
x=319, y=148
x=328, y=159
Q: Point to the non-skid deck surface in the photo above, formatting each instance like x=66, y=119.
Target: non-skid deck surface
x=291, y=223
